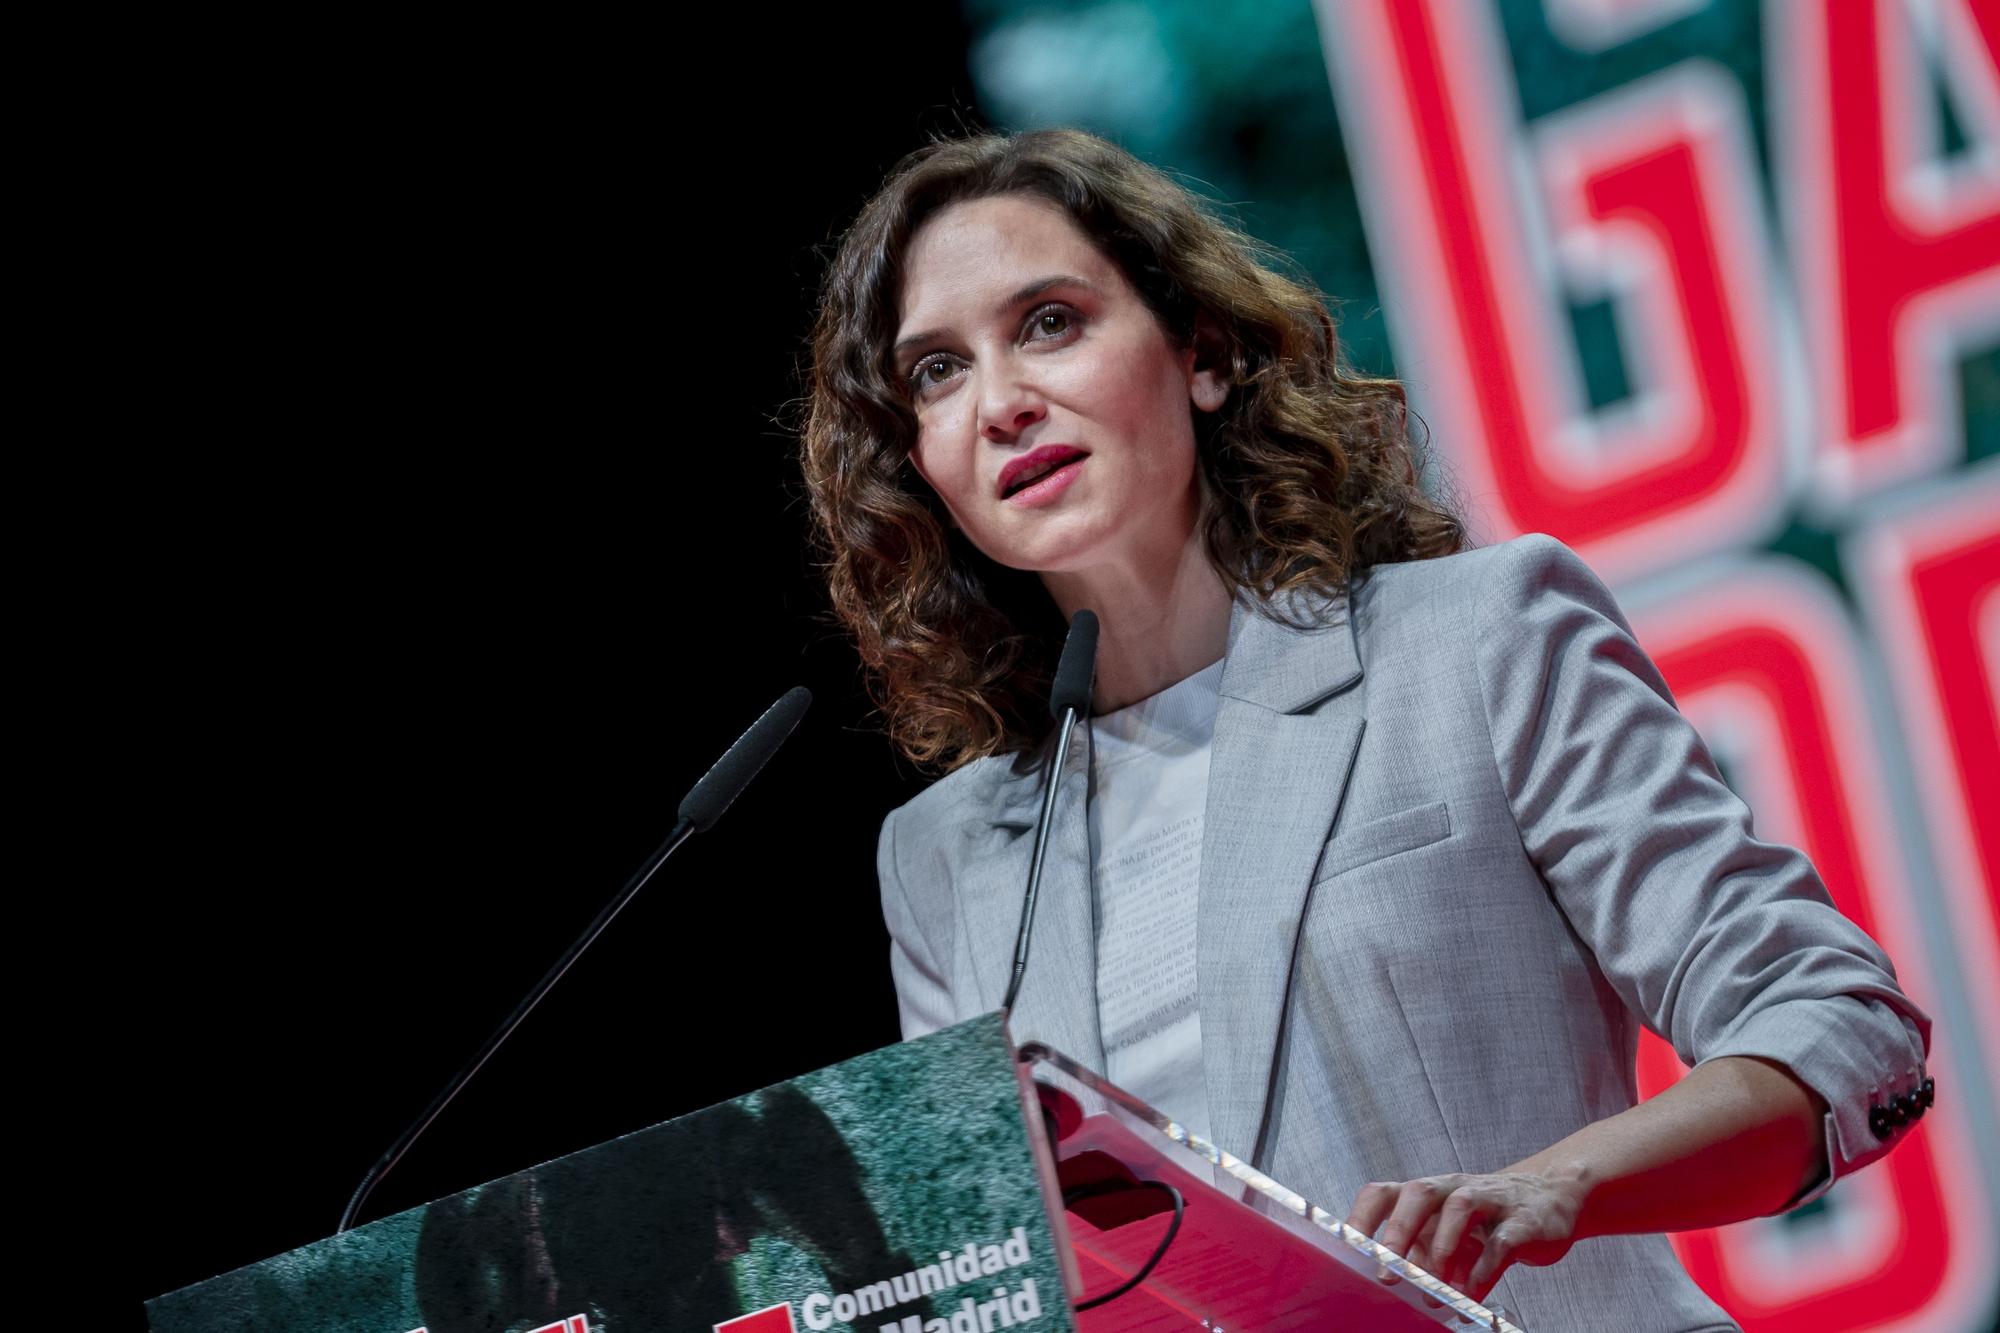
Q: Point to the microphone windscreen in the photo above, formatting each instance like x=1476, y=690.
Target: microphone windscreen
x=1076, y=668
x=704, y=804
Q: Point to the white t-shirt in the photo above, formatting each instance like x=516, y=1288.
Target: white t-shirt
x=1149, y=784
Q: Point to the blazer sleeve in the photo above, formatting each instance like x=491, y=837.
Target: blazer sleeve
x=1722, y=943
x=923, y=995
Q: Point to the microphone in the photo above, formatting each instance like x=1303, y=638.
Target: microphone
x=1076, y=668
x=722, y=784
x=699, y=810
x=1069, y=699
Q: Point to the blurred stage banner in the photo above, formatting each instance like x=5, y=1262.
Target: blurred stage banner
x=1710, y=291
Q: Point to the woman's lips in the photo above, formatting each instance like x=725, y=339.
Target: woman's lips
x=1036, y=463
x=1046, y=489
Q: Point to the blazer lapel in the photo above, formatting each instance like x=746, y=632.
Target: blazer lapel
x=1277, y=769
x=1058, y=1000
x=1285, y=739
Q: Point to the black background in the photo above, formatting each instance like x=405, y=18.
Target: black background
x=467, y=534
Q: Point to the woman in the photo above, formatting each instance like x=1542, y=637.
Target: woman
x=1379, y=850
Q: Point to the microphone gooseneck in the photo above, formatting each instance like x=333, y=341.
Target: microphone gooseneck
x=699, y=809
x=1069, y=699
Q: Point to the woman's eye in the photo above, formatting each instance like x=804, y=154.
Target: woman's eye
x=1051, y=323
x=930, y=371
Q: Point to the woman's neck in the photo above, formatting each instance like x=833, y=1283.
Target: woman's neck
x=1162, y=616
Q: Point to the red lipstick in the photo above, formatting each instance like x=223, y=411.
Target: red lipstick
x=1040, y=466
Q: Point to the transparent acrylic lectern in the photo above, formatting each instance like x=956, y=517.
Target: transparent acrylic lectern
x=1247, y=1254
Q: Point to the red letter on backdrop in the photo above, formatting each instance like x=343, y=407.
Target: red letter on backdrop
x=1762, y=658
x=1930, y=577
x=1897, y=261
x=1654, y=203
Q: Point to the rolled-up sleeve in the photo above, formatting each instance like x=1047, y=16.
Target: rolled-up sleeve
x=1724, y=944
x=923, y=996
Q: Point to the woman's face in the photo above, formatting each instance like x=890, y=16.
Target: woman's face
x=1023, y=348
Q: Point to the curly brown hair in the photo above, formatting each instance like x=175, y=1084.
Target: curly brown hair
x=1308, y=474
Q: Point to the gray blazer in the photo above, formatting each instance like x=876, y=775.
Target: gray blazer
x=1459, y=844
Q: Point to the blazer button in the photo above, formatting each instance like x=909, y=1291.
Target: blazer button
x=1899, y=1114
x=1907, y=1106
x=1927, y=1093
x=1878, y=1120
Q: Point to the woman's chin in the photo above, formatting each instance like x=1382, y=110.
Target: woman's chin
x=1057, y=558
x=1055, y=543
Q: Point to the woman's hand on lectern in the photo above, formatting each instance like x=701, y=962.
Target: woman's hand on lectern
x=1739, y=1136
x=1466, y=1229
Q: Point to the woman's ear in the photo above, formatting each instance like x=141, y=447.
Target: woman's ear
x=1209, y=371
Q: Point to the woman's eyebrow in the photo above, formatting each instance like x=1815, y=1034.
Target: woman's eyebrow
x=1021, y=297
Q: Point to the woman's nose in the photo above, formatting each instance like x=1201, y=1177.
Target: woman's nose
x=1008, y=405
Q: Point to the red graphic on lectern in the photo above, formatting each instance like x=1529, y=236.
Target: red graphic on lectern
x=770, y=1319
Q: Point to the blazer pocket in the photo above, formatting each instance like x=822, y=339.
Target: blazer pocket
x=1403, y=831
